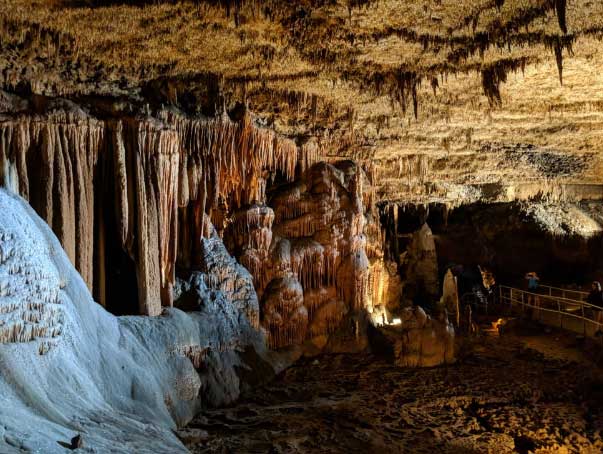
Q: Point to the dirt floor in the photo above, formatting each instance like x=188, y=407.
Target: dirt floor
x=518, y=393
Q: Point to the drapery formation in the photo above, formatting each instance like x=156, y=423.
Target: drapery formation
x=142, y=182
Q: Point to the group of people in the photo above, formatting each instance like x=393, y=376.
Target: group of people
x=595, y=296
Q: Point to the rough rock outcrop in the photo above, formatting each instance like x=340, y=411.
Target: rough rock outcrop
x=423, y=341
x=69, y=367
x=305, y=247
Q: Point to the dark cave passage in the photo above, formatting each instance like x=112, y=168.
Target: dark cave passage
x=502, y=238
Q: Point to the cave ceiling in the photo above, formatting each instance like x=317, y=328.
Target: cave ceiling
x=439, y=99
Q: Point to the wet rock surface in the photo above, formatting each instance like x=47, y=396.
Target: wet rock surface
x=506, y=394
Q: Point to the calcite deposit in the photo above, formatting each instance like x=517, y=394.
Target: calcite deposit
x=69, y=368
x=241, y=184
x=423, y=341
x=132, y=200
x=306, y=248
x=421, y=267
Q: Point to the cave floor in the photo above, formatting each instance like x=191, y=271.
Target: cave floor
x=513, y=393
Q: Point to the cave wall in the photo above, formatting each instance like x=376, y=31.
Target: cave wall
x=144, y=183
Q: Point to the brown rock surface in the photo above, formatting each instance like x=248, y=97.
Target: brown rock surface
x=420, y=341
x=306, y=251
x=503, y=396
x=445, y=100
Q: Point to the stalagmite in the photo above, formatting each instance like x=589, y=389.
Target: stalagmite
x=450, y=297
x=421, y=265
x=423, y=341
x=318, y=241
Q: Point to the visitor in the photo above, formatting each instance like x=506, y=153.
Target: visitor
x=533, y=300
x=595, y=297
x=533, y=281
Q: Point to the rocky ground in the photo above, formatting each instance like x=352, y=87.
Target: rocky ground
x=513, y=393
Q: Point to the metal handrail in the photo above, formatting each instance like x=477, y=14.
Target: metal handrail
x=518, y=296
x=544, y=295
x=563, y=291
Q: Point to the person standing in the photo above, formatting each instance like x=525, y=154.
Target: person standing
x=533, y=281
x=533, y=300
x=595, y=298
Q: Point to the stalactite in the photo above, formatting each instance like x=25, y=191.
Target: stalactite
x=67, y=149
x=307, y=263
x=495, y=74
x=303, y=226
x=284, y=313
x=328, y=318
x=318, y=227
x=559, y=59
x=160, y=171
x=315, y=298
x=560, y=7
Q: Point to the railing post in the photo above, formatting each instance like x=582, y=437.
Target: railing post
x=523, y=307
x=583, y=321
x=560, y=314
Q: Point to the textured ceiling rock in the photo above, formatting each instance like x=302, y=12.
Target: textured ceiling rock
x=445, y=86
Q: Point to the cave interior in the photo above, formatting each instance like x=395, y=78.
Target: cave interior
x=313, y=226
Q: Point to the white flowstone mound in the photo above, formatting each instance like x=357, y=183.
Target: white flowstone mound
x=68, y=367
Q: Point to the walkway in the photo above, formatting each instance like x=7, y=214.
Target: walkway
x=556, y=307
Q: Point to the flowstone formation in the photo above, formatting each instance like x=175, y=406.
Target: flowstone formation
x=122, y=384
x=305, y=246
